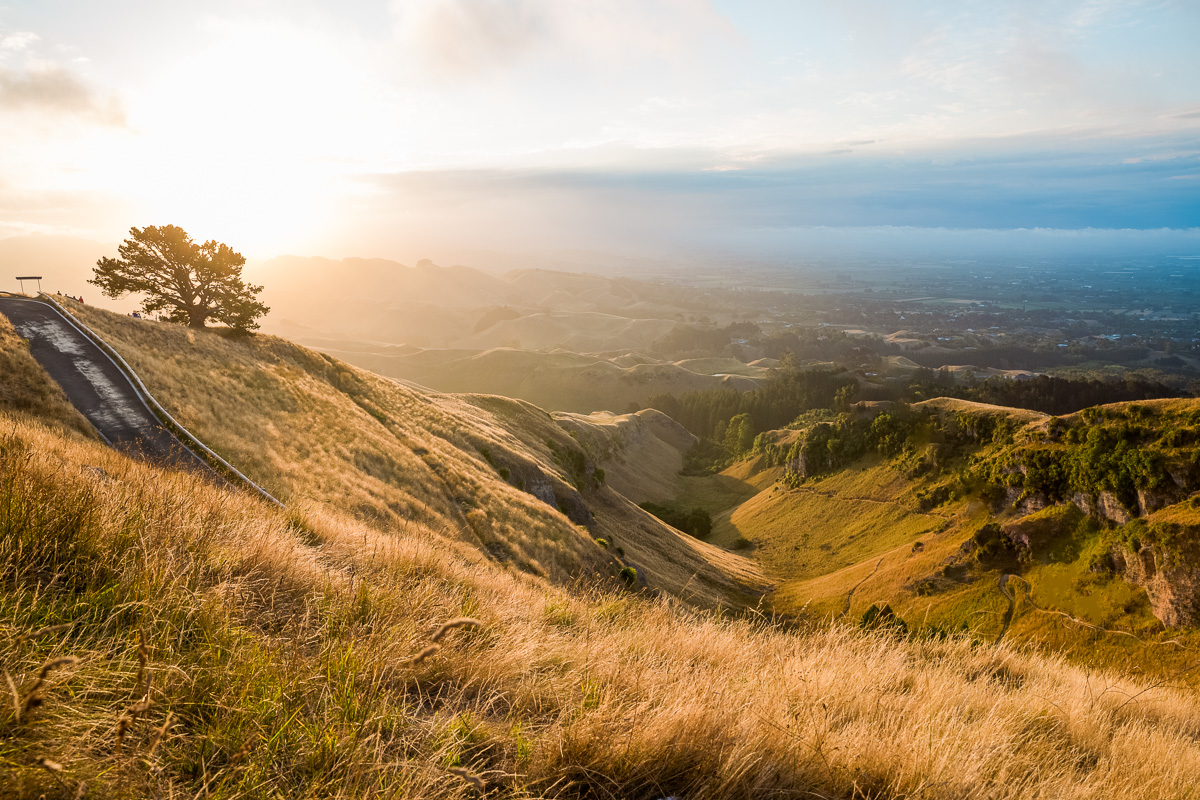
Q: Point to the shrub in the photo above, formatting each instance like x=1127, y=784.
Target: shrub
x=696, y=521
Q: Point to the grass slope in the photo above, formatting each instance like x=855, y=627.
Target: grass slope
x=641, y=453
x=312, y=429
x=197, y=643
x=840, y=543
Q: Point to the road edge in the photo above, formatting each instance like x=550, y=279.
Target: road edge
x=185, y=437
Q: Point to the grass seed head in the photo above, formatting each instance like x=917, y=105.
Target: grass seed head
x=143, y=659
x=40, y=632
x=449, y=625
x=244, y=752
x=129, y=718
x=469, y=777
x=159, y=733
x=426, y=653
x=34, y=698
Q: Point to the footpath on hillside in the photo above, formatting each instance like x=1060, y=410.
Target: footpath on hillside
x=96, y=386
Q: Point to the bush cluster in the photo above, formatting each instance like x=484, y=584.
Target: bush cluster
x=696, y=521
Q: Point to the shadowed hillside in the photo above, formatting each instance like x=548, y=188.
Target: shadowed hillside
x=163, y=637
x=498, y=473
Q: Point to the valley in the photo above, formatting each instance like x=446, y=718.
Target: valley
x=657, y=400
x=859, y=508
x=868, y=529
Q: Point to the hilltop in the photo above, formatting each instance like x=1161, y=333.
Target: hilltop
x=199, y=641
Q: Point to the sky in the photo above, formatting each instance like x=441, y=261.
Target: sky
x=400, y=128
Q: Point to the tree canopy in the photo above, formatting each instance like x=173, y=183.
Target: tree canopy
x=182, y=281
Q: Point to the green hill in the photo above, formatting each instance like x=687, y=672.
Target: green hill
x=926, y=508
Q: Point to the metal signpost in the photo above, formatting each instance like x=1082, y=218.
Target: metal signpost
x=22, y=279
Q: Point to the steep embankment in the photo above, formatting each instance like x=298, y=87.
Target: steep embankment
x=496, y=472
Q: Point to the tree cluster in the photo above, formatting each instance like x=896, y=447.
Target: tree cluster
x=695, y=522
x=1045, y=393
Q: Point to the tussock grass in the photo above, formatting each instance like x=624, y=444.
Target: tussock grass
x=277, y=659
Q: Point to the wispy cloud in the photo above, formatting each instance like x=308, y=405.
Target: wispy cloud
x=48, y=87
x=474, y=38
x=21, y=40
x=461, y=37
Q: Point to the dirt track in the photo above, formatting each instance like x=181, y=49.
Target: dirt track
x=95, y=385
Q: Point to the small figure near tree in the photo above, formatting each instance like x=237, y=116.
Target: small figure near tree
x=183, y=282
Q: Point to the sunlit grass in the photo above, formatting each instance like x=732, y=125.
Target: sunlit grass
x=476, y=468
x=280, y=660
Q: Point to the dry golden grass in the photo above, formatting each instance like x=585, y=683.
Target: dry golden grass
x=311, y=429
x=279, y=649
x=955, y=404
x=641, y=453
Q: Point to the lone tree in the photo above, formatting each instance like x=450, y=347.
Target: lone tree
x=183, y=281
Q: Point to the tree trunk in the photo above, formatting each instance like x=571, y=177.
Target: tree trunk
x=196, y=317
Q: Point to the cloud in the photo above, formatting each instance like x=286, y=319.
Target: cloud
x=1030, y=183
x=472, y=38
x=53, y=89
x=21, y=40
x=462, y=37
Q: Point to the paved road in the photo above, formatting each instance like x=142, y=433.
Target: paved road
x=96, y=386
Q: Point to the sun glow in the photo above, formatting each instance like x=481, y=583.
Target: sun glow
x=247, y=141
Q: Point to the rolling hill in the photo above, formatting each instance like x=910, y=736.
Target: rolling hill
x=1075, y=533
x=411, y=628
x=557, y=380
x=498, y=472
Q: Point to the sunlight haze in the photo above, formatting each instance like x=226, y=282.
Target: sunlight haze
x=382, y=128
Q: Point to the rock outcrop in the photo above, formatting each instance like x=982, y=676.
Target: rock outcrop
x=1173, y=585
